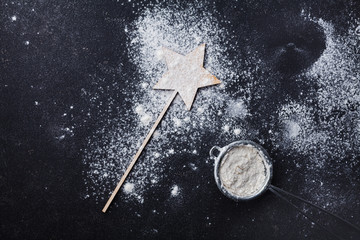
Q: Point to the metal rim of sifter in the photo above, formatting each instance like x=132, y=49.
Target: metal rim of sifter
x=218, y=159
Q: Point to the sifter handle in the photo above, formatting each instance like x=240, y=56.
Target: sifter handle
x=211, y=152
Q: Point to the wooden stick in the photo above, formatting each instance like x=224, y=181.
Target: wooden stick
x=137, y=155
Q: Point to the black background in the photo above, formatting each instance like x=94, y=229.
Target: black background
x=41, y=177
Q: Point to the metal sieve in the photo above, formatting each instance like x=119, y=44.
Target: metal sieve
x=219, y=157
x=282, y=194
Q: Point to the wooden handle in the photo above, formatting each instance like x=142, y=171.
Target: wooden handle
x=137, y=155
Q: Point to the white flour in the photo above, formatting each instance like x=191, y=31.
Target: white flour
x=175, y=190
x=111, y=150
x=243, y=171
x=294, y=132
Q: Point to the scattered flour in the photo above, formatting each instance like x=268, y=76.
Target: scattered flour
x=293, y=128
x=111, y=149
x=226, y=128
x=323, y=128
x=237, y=108
x=331, y=123
x=128, y=187
x=193, y=166
x=144, y=117
x=237, y=131
x=175, y=190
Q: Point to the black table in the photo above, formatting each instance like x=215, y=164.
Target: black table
x=57, y=55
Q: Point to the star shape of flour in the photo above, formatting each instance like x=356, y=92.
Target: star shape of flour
x=186, y=74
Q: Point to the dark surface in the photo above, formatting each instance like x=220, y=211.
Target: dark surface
x=41, y=177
